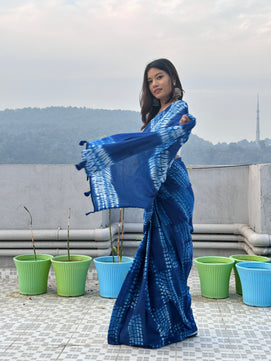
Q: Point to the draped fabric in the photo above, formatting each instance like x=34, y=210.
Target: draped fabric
x=140, y=170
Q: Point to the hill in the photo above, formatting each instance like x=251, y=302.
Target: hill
x=51, y=135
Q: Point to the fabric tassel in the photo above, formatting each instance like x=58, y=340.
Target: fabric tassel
x=80, y=165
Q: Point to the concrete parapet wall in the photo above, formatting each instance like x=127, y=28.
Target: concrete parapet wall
x=233, y=194
x=221, y=194
x=48, y=191
x=259, y=198
x=232, y=211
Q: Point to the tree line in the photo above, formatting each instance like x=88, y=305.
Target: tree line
x=51, y=136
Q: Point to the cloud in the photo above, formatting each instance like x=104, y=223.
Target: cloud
x=67, y=52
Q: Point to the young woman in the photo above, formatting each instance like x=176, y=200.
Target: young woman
x=153, y=308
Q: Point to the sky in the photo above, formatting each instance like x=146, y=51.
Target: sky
x=92, y=53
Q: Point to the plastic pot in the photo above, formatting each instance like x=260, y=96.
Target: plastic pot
x=214, y=273
x=71, y=275
x=111, y=274
x=33, y=275
x=256, y=283
x=244, y=258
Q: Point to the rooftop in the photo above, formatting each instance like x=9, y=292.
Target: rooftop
x=50, y=327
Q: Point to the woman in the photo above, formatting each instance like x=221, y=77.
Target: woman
x=154, y=305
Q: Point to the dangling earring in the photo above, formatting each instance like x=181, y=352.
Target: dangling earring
x=177, y=93
x=156, y=102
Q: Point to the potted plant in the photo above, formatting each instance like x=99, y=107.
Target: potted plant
x=71, y=270
x=112, y=270
x=32, y=269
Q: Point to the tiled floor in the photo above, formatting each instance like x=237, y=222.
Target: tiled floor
x=49, y=327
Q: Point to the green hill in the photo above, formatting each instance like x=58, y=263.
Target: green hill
x=51, y=135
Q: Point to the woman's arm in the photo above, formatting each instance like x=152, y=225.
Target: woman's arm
x=184, y=119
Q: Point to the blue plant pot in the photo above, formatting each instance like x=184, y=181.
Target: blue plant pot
x=256, y=283
x=111, y=274
x=244, y=258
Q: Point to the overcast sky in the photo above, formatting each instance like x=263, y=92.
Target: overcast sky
x=93, y=53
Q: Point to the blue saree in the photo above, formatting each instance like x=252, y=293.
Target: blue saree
x=153, y=308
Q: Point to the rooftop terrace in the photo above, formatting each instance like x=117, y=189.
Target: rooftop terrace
x=232, y=215
x=50, y=327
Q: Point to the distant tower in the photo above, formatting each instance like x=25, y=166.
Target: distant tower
x=258, y=123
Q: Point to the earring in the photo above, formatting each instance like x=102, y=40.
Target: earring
x=177, y=93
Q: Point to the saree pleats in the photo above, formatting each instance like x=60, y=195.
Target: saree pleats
x=154, y=306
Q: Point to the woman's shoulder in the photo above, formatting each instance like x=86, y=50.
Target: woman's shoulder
x=179, y=105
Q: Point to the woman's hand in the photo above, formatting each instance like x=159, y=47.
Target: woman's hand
x=184, y=119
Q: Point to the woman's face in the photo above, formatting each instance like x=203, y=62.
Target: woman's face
x=160, y=84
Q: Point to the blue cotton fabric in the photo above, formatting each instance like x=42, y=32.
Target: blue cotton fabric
x=140, y=170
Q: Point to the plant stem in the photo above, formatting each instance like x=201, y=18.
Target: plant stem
x=122, y=232
x=118, y=243
x=68, y=235
x=32, y=235
x=110, y=230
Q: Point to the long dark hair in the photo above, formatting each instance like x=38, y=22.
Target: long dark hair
x=149, y=107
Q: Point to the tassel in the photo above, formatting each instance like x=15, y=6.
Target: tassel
x=80, y=165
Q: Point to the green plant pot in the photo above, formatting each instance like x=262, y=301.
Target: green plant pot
x=33, y=275
x=71, y=276
x=214, y=274
x=244, y=258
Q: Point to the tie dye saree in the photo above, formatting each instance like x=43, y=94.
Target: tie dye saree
x=153, y=308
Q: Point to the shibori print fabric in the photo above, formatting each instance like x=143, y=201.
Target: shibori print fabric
x=127, y=170
x=138, y=170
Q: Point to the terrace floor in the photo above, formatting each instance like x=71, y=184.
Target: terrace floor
x=50, y=327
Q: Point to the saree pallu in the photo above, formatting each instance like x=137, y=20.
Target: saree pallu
x=153, y=308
